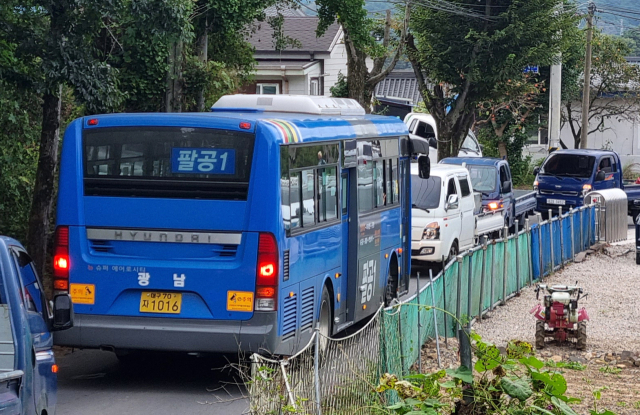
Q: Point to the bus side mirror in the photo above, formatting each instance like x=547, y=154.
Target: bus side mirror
x=600, y=176
x=424, y=167
x=62, y=312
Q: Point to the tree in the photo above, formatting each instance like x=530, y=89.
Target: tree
x=463, y=52
x=614, y=85
x=632, y=37
x=360, y=45
x=53, y=45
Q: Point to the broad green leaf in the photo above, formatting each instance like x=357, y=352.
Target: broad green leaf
x=566, y=409
x=516, y=388
x=533, y=362
x=448, y=384
x=396, y=405
x=463, y=373
x=558, y=384
x=489, y=359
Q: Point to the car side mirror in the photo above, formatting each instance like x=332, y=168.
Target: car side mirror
x=506, y=187
x=600, y=176
x=536, y=170
x=452, y=202
x=424, y=167
x=433, y=142
x=62, y=312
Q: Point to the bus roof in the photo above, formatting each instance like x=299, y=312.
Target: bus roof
x=283, y=127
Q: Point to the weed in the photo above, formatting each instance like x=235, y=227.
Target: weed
x=622, y=404
x=636, y=405
x=565, y=365
x=610, y=370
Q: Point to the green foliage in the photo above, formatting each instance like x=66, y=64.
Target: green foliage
x=341, y=88
x=465, y=58
x=20, y=114
x=565, y=365
x=514, y=383
x=515, y=140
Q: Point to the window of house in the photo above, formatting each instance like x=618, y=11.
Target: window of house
x=314, y=87
x=267, y=89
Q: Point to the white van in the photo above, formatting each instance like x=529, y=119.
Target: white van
x=424, y=125
x=446, y=214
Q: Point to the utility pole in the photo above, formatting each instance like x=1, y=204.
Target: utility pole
x=587, y=78
x=555, y=95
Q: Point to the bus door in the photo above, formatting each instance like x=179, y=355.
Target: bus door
x=405, y=202
x=350, y=244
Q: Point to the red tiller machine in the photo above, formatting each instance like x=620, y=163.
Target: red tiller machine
x=559, y=316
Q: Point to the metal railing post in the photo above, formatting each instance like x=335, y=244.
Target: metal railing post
x=419, y=324
x=517, y=259
x=540, y=246
x=316, y=374
x=482, y=275
x=444, y=298
x=400, y=339
x=561, y=238
x=505, y=267
x=529, y=248
x=493, y=275
x=470, y=274
x=435, y=317
x=459, y=258
x=553, y=262
x=573, y=238
x=581, y=230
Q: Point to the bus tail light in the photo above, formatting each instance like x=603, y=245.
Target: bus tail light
x=267, y=273
x=61, y=262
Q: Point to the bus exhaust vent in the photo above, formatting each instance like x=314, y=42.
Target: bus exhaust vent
x=100, y=246
x=285, y=266
x=306, y=315
x=289, y=317
x=228, y=251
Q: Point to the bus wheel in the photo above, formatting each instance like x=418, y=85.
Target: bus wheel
x=324, y=320
x=391, y=290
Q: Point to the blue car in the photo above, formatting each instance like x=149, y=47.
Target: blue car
x=27, y=365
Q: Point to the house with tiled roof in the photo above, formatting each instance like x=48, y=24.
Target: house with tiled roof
x=309, y=67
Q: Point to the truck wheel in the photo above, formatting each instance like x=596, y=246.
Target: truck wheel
x=540, y=334
x=324, y=320
x=581, y=341
x=453, y=251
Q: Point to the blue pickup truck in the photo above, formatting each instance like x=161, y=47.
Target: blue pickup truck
x=27, y=365
x=566, y=176
x=492, y=177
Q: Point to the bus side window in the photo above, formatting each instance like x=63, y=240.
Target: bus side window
x=345, y=190
x=327, y=197
x=294, y=197
x=378, y=181
x=365, y=187
x=394, y=179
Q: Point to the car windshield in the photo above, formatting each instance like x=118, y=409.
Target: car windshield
x=425, y=193
x=572, y=165
x=483, y=178
x=470, y=144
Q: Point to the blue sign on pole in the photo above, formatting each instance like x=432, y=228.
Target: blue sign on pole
x=203, y=160
x=531, y=68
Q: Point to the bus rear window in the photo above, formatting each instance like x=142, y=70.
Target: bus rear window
x=167, y=162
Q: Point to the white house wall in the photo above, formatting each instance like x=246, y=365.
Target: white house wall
x=621, y=136
x=337, y=62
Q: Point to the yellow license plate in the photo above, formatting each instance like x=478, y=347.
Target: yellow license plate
x=156, y=302
x=239, y=301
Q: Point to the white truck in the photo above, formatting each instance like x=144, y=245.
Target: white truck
x=447, y=215
x=423, y=126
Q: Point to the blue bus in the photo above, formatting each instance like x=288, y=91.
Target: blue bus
x=234, y=230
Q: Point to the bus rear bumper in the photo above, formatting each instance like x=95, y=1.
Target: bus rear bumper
x=258, y=334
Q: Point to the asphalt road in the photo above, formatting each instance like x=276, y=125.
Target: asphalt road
x=95, y=382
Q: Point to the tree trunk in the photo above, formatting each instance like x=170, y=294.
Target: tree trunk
x=174, y=79
x=357, y=74
x=203, y=44
x=40, y=215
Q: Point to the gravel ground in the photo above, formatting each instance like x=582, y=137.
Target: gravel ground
x=611, y=278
